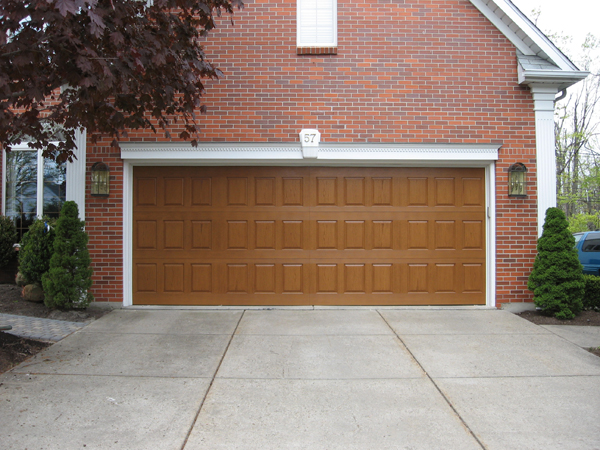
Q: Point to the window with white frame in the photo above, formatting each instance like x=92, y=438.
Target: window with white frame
x=33, y=186
x=317, y=23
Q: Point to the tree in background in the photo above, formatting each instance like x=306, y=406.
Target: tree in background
x=103, y=65
x=577, y=126
x=69, y=277
x=557, y=277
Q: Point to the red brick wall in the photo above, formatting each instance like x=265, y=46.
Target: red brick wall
x=405, y=71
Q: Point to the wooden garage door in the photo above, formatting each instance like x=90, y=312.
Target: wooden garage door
x=308, y=236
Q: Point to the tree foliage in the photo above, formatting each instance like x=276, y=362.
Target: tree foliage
x=557, y=276
x=69, y=277
x=103, y=65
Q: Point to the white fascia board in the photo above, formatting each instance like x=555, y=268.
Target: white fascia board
x=291, y=154
x=560, y=79
x=505, y=8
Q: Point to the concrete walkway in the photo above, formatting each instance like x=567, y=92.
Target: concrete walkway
x=310, y=380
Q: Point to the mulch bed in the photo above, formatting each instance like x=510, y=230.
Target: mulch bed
x=14, y=350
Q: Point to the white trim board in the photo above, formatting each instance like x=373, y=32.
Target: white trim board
x=333, y=155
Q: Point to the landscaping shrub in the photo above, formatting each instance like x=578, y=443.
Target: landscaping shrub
x=557, y=277
x=8, y=238
x=591, y=297
x=37, y=247
x=68, y=280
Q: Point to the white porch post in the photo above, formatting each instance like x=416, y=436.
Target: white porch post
x=543, y=97
x=76, y=173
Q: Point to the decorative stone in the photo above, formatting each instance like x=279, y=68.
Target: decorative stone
x=33, y=293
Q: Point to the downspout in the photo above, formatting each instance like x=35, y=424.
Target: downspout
x=562, y=95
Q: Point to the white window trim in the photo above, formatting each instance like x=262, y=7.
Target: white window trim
x=75, y=175
x=300, y=43
x=330, y=155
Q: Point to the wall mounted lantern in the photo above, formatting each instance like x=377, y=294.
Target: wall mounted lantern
x=517, y=180
x=100, y=180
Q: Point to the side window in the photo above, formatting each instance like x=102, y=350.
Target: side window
x=34, y=187
x=316, y=27
x=592, y=243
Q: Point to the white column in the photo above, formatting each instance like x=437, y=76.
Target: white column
x=543, y=97
x=76, y=173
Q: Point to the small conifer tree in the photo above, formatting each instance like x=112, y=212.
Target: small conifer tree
x=37, y=247
x=8, y=238
x=557, y=277
x=67, y=282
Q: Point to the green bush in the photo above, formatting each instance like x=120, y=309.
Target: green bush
x=37, y=247
x=69, y=278
x=583, y=222
x=8, y=239
x=591, y=297
x=557, y=277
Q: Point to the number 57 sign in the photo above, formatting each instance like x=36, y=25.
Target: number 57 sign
x=310, y=138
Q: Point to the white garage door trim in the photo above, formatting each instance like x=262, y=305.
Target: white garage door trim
x=291, y=154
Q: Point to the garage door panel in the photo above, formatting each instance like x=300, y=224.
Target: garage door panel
x=256, y=235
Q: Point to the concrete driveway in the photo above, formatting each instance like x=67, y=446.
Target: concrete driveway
x=305, y=379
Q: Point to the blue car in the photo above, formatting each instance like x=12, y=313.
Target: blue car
x=588, y=248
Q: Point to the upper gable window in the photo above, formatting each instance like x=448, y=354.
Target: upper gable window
x=317, y=27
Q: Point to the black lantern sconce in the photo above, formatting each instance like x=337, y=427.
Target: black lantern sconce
x=100, y=180
x=517, y=180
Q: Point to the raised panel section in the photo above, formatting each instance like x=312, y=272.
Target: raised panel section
x=202, y=278
x=445, y=235
x=354, y=191
x=293, y=278
x=173, y=277
x=264, y=278
x=202, y=191
x=418, y=280
x=202, y=234
x=382, y=278
x=146, y=191
x=473, y=192
x=382, y=234
x=237, y=234
x=327, y=234
x=237, y=191
x=265, y=234
x=173, y=191
x=444, y=191
x=354, y=278
x=355, y=234
x=473, y=235
x=237, y=278
x=173, y=238
x=146, y=234
x=146, y=277
x=327, y=278
x=474, y=276
x=264, y=191
x=326, y=191
x=417, y=192
x=417, y=235
x=445, y=278
x=382, y=191
x=292, y=234
x=292, y=192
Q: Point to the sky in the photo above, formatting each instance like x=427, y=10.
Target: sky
x=575, y=18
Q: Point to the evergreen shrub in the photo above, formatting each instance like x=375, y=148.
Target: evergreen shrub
x=69, y=278
x=557, y=277
x=37, y=246
x=591, y=298
x=8, y=238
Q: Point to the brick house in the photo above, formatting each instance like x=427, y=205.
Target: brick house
x=353, y=154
